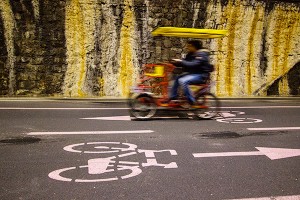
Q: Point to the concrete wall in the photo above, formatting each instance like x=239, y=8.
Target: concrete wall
x=97, y=47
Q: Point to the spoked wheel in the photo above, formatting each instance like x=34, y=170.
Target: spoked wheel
x=142, y=107
x=211, y=106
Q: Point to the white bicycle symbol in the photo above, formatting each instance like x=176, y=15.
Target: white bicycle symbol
x=110, y=168
x=231, y=117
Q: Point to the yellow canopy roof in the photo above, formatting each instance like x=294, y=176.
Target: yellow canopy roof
x=189, y=32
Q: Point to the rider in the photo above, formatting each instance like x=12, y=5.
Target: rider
x=196, y=64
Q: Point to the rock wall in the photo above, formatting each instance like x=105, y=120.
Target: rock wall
x=34, y=39
x=4, y=72
x=97, y=47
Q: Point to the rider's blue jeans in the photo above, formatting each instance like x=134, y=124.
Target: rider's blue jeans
x=184, y=81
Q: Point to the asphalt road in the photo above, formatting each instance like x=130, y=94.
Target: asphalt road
x=92, y=150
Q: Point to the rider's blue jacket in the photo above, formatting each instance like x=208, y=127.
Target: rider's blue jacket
x=197, y=63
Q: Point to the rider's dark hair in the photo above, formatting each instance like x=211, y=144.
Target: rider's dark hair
x=196, y=43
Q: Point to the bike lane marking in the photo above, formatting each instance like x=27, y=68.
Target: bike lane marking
x=107, y=168
x=117, y=167
x=239, y=120
x=231, y=117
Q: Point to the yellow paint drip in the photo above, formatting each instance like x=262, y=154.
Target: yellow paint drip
x=233, y=12
x=281, y=46
x=220, y=56
x=286, y=19
x=250, y=69
x=283, y=86
x=81, y=17
x=290, y=27
x=216, y=15
x=101, y=84
x=76, y=52
x=276, y=43
x=125, y=80
x=9, y=26
x=219, y=80
x=226, y=48
x=231, y=56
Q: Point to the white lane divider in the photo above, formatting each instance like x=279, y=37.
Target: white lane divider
x=294, y=197
x=90, y=132
x=125, y=118
x=274, y=129
x=64, y=108
x=263, y=107
x=24, y=108
x=114, y=118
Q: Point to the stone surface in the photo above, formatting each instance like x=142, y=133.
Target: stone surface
x=98, y=47
x=3, y=58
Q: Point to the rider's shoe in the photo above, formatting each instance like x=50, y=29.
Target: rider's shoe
x=186, y=105
x=167, y=101
x=195, y=105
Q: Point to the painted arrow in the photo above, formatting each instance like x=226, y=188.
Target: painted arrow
x=272, y=153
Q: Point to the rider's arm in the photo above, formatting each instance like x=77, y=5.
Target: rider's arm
x=200, y=58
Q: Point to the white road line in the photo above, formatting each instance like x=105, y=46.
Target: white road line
x=241, y=107
x=118, y=118
x=11, y=108
x=274, y=129
x=294, y=197
x=126, y=118
x=89, y=132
